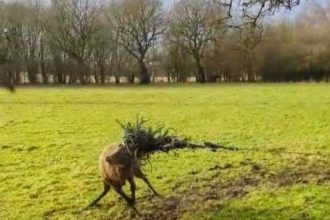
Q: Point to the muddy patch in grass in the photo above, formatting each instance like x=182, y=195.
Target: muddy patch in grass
x=213, y=192
x=209, y=192
x=174, y=207
x=301, y=175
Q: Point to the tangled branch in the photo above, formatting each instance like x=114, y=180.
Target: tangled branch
x=142, y=139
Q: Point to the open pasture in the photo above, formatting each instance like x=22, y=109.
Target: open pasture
x=50, y=140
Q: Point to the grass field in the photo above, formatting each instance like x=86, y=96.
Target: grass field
x=50, y=140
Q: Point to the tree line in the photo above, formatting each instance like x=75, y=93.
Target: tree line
x=128, y=41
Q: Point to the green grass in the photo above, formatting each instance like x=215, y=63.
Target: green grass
x=50, y=140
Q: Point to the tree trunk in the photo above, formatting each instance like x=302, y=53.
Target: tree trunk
x=18, y=77
x=212, y=78
x=144, y=75
x=44, y=73
x=250, y=75
x=131, y=78
x=169, y=76
x=8, y=81
x=82, y=69
x=200, y=74
x=97, y=79
x=42, y=63
x=32, y=73
x=59, y=75
x=117, y=79
x=200, y=77
x=60, y=79
x=73, y=78
x=181, y=76
x=82, y=79
x=102, y=73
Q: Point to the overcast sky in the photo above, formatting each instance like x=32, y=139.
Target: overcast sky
x=294, y=12
x=170, y=2
x=288, y=14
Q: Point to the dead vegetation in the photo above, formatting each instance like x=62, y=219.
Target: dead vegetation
x=142, y=139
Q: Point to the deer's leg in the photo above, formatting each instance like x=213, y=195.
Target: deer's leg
x=140, y=174
x=133, y=188
x=129, y=200
x=106, y=188
x=120, y=191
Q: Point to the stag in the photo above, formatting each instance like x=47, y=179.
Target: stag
x=121, y=162
x=118, y=165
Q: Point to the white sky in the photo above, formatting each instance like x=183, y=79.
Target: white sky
x=286, y=14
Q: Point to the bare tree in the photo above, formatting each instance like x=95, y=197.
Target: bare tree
x=73, y=29
x=249, y=11
x=30, y=37
x=195, y=25
x=6, y=78
x=119, y=62
x=67, y=39
x=3, y=46
x=10, y=32
x=138, y=23
x=176, y=62
x=103, y=49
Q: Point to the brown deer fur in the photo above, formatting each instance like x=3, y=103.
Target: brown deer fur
x=117, y=166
